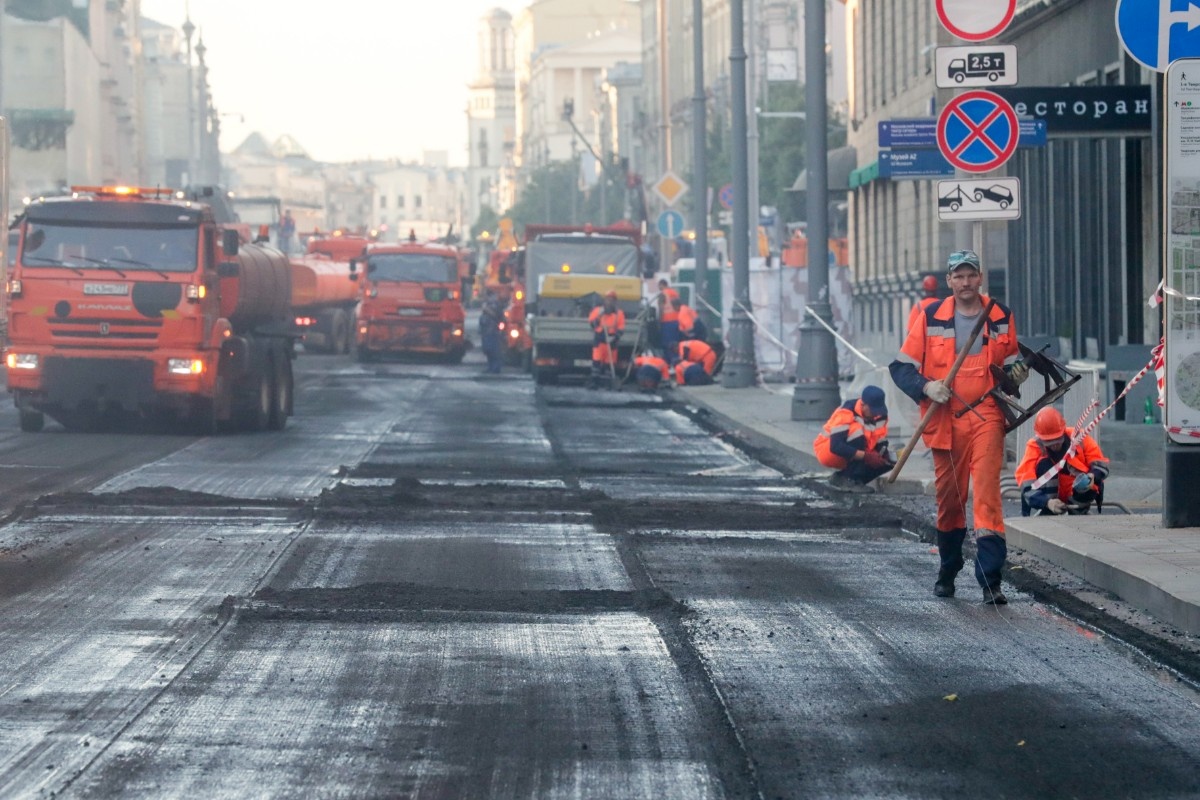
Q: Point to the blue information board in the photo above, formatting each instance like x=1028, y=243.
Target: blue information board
x=913, y=164
x=920, y=132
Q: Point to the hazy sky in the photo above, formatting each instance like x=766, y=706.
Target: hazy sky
x=347, y=79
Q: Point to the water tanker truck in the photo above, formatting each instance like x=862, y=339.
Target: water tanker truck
x=132, y=302
x=324, y=296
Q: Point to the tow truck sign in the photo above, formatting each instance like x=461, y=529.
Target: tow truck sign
x=966, y=67
x=979, y=199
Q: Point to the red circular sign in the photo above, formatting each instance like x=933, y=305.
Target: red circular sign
x=978, y=131
x=976, y=20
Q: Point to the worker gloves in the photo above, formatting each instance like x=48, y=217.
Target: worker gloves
x=1083, y=483
x=1055, y=506
x=875, y=460
x=1018, y=372
x=937, y=391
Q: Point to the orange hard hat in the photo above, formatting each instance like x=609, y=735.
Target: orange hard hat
x=930, y=284
x=611, y=293
x=1049, y=424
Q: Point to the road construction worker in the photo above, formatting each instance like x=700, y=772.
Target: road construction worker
x=1078, y=484
x=490, y=319
x=968, y=449
x=695, y=363
x=650, y=370
x=854, y=441
x=690, y=324
x=930, y=287
x=608, y=323
x=668, y=317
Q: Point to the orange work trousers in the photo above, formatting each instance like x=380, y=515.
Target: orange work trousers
x=975, y=458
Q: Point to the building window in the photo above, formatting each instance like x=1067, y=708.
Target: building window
x=416, y=201
x=383, y=201
x=399, y=201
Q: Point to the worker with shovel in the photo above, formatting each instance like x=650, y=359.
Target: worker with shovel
x=608, y=323
x=945, y=365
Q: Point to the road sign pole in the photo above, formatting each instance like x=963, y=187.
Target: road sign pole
x=816, y=394
x=740, y=368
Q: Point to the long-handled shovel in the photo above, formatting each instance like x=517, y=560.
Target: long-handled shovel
x=949, y=379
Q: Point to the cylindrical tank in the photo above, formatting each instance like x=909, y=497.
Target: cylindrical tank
x=319, y=282
x=262, y=291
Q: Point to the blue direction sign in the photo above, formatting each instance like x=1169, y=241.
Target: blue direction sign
x=977, y=131
x=919, y=132
x=913, y=164
x=670, y=223
x=1157, y=32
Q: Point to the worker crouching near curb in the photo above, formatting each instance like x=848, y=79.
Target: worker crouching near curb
x=1081, y=480
x=854, y=441
x=968, y=448
x=696, y=363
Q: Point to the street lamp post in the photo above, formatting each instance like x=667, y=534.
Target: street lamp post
x=816, y=394
x=740, y=368
x=700, y=161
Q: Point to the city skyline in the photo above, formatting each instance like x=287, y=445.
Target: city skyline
x=347, y=91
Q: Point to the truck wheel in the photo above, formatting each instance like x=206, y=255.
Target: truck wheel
x=365, y=355
x=32, y=421
x=339, y=342
x=203, y=421
x=281, y=395
x=255, y=411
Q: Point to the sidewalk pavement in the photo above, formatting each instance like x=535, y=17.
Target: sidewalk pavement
x=1129, y=554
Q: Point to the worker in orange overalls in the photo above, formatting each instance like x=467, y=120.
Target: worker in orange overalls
x=608, y=323
x=668, y=317
x=968, y=452
x=690, y=324
x=695, y=364
x=650, y=370
x=1078, y=484
x=930, y=286
x=854, y=441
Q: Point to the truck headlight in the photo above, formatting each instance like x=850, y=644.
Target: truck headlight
x=14, y=287
x=514, y=333
x=185, y=366
x=22, y=361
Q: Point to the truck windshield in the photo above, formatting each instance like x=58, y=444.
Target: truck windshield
x=82, y=247
x=412, y=268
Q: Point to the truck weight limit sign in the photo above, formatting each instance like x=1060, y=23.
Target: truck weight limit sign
x=968, y=67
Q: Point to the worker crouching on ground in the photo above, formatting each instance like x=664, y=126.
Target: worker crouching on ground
x=1078, y=484
x=608, y=323
x=968, y=448
x=650, y=371
x=696, y=363
x=854, y=441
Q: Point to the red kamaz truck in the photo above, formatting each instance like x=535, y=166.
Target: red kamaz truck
x=411, y=301
x=126, y=301
x=324, y=296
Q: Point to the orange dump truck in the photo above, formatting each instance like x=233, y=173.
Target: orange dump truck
x=125, y=301
x=324, y=295
x=411, y=301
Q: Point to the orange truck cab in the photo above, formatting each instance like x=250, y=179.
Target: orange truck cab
x=124, y=301
x=411, y=301
x=324, y=296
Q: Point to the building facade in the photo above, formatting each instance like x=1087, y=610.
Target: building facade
x=492, y=118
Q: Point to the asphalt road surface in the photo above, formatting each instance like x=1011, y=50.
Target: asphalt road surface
x=437, y=584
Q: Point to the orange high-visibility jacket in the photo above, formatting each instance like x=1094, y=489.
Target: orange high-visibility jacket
x=700, y=352
x=653, y=361
x=930, y=347
x=1085, y=456
x=669, y=314
x=607, y=322
x=861, y=435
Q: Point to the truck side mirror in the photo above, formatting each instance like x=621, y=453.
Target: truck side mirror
x=227, y=269
x=230, y=243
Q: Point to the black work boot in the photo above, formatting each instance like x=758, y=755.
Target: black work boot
x=990, y=552
x=950, y=551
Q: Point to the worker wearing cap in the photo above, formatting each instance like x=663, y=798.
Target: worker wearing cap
x=608, y=323
x=854, y=441
x=650, y=370
x=968, y=452
x=1078, y=484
